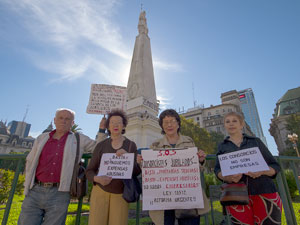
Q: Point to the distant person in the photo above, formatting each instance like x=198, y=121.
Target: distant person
x=107, y=204
x=49, y=169
x=170, y=122
x=265, y=204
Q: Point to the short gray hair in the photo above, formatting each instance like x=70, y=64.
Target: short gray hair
x=65, y=109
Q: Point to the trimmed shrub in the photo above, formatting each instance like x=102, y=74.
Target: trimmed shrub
x=6, y=178
x=290, y=178
x=210, y=179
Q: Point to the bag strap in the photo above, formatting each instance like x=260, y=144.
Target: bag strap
x=130, y=144
x=74, y=175
x=77, y=149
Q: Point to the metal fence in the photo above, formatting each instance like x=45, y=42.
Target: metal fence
x=284, y=161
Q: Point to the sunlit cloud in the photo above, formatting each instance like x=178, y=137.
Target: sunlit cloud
x=34, y=134
x=158, y=64
x=76, y=39
x=164, y=102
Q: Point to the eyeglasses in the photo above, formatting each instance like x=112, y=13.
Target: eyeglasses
x=115, y=123
x=171, y=122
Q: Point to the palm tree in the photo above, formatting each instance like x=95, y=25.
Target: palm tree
x=75, y=128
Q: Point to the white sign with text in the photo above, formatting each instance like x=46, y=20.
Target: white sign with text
x=117, y=167
x=104, y=98
x=171, y=179
x=242, y=161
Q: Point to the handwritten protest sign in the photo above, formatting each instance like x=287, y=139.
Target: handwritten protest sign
x=171, y=179
x=117, y=167
x=242, y=161
x=104, y=98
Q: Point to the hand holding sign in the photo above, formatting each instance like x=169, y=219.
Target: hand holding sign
x=231, y=178
x=201, y=155
x=121, y=152
x=103, y=123
x=269, y=173
x=103, y=180
x=242, y=161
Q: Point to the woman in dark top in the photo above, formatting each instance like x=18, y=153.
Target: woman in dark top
x=107, y=204
x=265, y=204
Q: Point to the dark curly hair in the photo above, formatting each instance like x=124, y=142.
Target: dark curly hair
x=117, y=112
x=171, y=113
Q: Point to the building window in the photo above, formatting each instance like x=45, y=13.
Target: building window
x=30, y=145
x=217, y=112
x=197, y=118
x=208, y=113
x=229, y=110
x=14, y=142
x=218, y=129
x=24, y=144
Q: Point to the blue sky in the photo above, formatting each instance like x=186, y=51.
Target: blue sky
x=52, y=51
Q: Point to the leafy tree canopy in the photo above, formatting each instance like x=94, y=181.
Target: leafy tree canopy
x=293, y=126
x=203, y=139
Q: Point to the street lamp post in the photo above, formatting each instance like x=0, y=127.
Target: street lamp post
x=294, y=138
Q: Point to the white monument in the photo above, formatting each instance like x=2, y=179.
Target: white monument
x=142, y=104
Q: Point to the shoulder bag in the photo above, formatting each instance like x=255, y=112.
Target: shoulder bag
x=132, y=187
x=234, y=194
x=78, y=187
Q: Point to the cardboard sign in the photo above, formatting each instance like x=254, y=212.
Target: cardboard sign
x=104, y=98
x=242, y=161
x=171, y=179
x=117, y=167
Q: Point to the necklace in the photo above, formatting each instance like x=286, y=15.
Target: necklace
x=237, y=142
x=117, y=143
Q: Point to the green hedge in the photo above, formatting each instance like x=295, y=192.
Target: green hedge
x=291, y=182
x=6, y=178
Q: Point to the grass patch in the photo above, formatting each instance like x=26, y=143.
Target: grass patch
x=296, y=207
x=73, y=207
x=72, y=219
x=218, y=216
x=15, y=210
x=145, y=220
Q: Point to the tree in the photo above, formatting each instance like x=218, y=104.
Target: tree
x=293, y=123
x=75, y=128
x=293, y=126
x=201, y=136
x=217, y=138
x=207, y=141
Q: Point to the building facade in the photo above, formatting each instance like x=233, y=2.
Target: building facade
x=13, y=142
x=287, y=105
x=211, y=118
x=250, y=112
x=19, y=128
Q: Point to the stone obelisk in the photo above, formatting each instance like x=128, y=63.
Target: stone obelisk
x=142, y=104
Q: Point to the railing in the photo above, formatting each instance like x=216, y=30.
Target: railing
x=281, y=182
